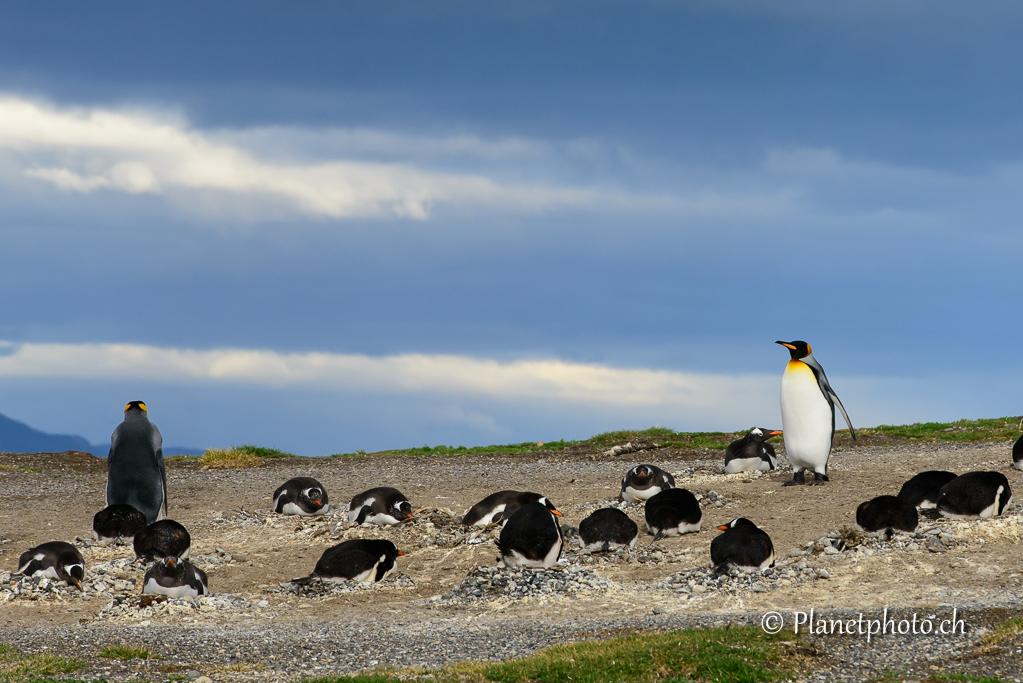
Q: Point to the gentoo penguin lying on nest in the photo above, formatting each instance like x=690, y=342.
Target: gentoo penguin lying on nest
x=975, y=495
x=531, y=537
x=643, y=482
x=55, y=560
x=360, y=559
x=500, y=506
x=608, y=528
x=175, y=577
x=383, y=505
x=673, y=512
x=744, y=546
x=165, y=538
x=922, y=491
x=886, y=513
x=751, y=453
x=302, y=496
x=117, y=523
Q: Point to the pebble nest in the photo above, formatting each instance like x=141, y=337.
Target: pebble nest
x=318, y=588
x=488, y=583
x=703, y=580
x=149, y=606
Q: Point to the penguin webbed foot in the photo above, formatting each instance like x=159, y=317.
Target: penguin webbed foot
x=818, y=479
x=796, y=480
x=305, y=580
x=721, y=569
x=658, y=536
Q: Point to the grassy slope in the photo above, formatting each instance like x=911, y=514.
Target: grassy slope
x=997, y=429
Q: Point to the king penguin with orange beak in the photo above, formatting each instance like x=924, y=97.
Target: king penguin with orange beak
x=808, y=414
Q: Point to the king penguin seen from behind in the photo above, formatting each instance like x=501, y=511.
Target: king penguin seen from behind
x=808, y=414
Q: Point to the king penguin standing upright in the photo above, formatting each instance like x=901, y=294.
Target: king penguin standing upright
x=808, y=414
x=135, y=470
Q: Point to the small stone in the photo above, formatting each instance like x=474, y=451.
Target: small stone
x=658, y=610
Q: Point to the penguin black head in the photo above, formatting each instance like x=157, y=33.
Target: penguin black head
x=137, y=406
x=738, y=521
x=314, y=494
x=797, y=349
x=173, y=566
x=550, y=506
x=403, y=509
x=643, y=473
x=758, y=434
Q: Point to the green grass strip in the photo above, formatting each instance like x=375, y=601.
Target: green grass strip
x=717, y=655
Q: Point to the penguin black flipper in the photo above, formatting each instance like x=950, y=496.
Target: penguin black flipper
x=828, y=392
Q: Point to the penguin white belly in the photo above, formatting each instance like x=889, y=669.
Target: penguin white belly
x=1018, y=464
x=354, y=513
x=744, y=465
x=185, y=591
x=295, y=509
x=381, y=519
x=489, y=517
x=807, y=419
x=632, y=495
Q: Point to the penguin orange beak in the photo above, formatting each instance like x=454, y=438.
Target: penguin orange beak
x=774, y=433
x=555, y=512
x=77, y=583
x=786, y=345
x=171, y=560
x=400, y=553
x=723, y=527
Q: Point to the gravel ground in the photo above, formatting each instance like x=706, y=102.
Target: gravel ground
x=256, y=626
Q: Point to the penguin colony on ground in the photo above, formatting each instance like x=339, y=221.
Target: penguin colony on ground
x=136, y=497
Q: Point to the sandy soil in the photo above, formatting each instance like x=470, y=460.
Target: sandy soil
x=54, y=496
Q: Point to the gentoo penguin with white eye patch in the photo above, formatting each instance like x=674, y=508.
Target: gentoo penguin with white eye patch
x=55, y=560
x=500, y=506
x=808, y=414
x=744, y=546
x=975, y=495
x=135, y=469
x=643, y=482
x=673, y=512
x=531, y=537
x=175, y=577
x=1017, y=454
x=302, y=496
x=360, y=559
x=751, y=453
x=383, y=505
x=886, y=513
x=922, y=491
x=117, y=523
x=165, y=538
x=608, y=528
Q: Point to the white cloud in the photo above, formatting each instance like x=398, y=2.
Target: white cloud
x=86, y=150
x=549, y=380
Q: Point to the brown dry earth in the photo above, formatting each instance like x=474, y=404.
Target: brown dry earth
x=54, y=496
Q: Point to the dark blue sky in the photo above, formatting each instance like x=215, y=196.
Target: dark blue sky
x=629, y=186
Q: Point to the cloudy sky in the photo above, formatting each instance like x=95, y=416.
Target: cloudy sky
x=376, y=225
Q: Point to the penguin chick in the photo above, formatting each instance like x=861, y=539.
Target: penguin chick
x=383, y=505
x=175, y=577
x=643, y=482
x=922, y=491
x=975, y=495
x=116, y=523
x=165, y=538
x=531, y=537
x=886, y=513
x=500, y=506
x=673, y=512
x=608, y=528
x=55, y=560
x=808, y=414
x=302, y=496
x=135, y=469
x=743, y=545
x=751, y=453
x=361, y=560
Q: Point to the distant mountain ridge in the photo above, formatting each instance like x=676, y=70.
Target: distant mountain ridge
x=18, y=437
